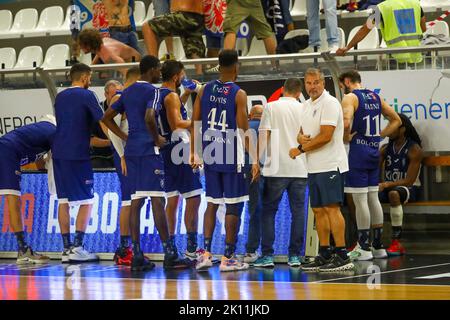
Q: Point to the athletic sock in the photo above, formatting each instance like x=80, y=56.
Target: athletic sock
x=377, y=233
x=396, y=232
x=21, y=243
x=79, y=236
x=125, y=241
x=191, y=241
x=363, y=239
x=136, y=248
x=66, y=241
x=168, y=248
x=172, y=240
x=341, y=252
x=229, y=250
x=208, y=244
x=325, y=252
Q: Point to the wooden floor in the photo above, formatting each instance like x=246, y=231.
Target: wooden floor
x=417, y=277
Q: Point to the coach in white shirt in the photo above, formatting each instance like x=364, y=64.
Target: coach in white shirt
x=280, y=120
x=321, y=139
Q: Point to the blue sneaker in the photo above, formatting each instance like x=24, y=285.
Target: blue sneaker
x=294, y=261
x=264, y=262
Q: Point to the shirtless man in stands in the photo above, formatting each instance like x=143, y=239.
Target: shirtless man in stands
x=106, y=50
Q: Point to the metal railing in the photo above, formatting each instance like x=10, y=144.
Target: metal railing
x=331, y=62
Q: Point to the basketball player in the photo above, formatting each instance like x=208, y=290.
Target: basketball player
x=124, y=253
x=179, y=179
x=77, y=109
x=363, y=110
x=145, y=169
x=221, y=106
x=401, y=158
x=27, y=144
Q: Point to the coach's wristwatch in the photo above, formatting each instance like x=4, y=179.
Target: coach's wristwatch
x=300, y=147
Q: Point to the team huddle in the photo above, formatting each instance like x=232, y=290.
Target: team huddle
x=159, y=154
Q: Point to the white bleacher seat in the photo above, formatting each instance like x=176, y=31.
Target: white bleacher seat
x=429, y=5
x=56, y=56
x=6, y=19
x=28, y=56
x=242, y=46
x=295, y=33
x=51, y=19
x=371, y=41
x=150, y=12
x=24, y=22
x=324, y=42
x=257, y=48
x=441, y=27
x=7, y=58
x=139, y=13
x=177, y=48
x=85, y=58
x=298, y=9
x=64, y=28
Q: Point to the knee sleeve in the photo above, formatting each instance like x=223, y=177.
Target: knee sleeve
x=397, y=216
x=376, y=210
x=234, y=209
x=362, y=210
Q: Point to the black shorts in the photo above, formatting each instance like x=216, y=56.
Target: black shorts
x=407, y=194
x=325, y=188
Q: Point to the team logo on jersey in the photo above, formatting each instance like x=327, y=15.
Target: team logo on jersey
x=18, y=173
x=157, y=171
x=89, y=182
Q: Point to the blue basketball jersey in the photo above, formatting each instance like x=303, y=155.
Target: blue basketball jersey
x=222, y=148
x=30, y=142
x=163, y=123
x=134, y=101
x=76, y=111
x=397, y=162
x=364, y=147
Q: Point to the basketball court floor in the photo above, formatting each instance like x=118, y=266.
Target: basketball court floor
x=408, y=277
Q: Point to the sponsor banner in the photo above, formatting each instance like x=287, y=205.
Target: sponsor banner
x=39, y=211
x=411, y=93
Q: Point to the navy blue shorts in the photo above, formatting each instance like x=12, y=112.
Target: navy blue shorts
x=325, y=188
x=74, y=181
x=362, y=180
x=180, y=178
x=9, y=172
x=225, y=187
x=214, y=42
x=124, y=184
x=145, y=176
x=407, y=194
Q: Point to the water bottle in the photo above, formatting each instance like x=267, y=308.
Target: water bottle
x=189, y=84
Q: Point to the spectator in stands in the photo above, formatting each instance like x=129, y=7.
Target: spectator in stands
x=214, y=11
x=185, y=20
x=280, y=119
x=120, y=27
x=101, y=152
x=162, y=7
x=313, y=20
x=252, y=10
x=402, y=24
x=401, y=161
x=279, y=17
x=255, y=195
x=106, y=50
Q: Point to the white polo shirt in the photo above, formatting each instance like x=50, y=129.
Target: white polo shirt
x=325, y=111
x=283, y=118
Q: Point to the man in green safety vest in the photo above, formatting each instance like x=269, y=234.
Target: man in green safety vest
x=402, y=24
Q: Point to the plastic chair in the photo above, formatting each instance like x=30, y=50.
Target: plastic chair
x=7, y=58
x=29, y=57
x=56, y=56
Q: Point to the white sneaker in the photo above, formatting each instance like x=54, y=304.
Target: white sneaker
x=333, y=48
x=379, y=253
x=79, y=254
x=65, y=256
x=29, y=256
x=358, y=254
x=250, y=258
x=232, y=264
x=204, y=261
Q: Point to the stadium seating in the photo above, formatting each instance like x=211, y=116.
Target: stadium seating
x=6, y=20
x=25, y=21
x=56, y=56
x=139, y=13
x=64, y=28
x=323, y=38
x=28, y=56
x=7, y=58
x=150, y=12
x=51, y=19
x=177, y=47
